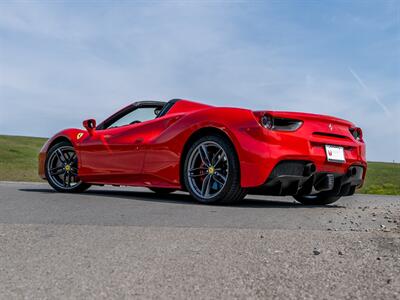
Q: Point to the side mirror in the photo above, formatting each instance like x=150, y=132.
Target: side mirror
x=90, y=125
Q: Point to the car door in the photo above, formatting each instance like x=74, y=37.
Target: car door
x=113, y=154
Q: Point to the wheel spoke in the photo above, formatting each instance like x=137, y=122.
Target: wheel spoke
x=204, y=155
x=69, y=179
x=197, y=172
x=196, y=175
x=65, y=179
x=73, y=159
x=198, y=169
x=220, y=178
x=60, y=156
x=220, y=158
x=205, y=188
x=74, y=171
x=66, y=156
x=56, y=171
x=215, y=158
x=74, y=162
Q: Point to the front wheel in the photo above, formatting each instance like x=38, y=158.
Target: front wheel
x=62, y=169
x=318, y=199
x=212, y=171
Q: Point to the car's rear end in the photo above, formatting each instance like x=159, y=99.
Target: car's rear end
x=311, y=154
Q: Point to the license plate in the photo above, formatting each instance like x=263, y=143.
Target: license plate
x=334, y=153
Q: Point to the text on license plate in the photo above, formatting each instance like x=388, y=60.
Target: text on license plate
x=334, y=153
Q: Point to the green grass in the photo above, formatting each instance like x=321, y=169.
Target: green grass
x=382, y=178
x=19, y=158
x=18, y=162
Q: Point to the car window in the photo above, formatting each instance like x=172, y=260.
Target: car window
x=136, y=116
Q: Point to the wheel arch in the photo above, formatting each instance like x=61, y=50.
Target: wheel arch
x=57, y=140
x=197, y=135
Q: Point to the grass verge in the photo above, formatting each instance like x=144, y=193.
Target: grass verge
x=19, y=158
x=382, y=178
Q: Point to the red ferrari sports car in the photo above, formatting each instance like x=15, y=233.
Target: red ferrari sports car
x=217, y=154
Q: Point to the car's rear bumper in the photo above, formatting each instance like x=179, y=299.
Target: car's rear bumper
x=301, y=178
x=263, y=151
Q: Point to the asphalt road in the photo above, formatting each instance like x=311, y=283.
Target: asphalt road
x=130, y=243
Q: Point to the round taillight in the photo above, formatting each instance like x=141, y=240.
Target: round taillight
x=357, y=133
x=267, y=121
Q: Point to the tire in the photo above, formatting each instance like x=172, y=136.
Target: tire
x=61, y=169
x=211, y=171
x=162, y=191
x=318, y=199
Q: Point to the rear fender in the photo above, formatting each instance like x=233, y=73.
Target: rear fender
x=239, y=125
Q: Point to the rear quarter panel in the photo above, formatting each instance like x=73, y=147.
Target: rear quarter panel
x=163, y=154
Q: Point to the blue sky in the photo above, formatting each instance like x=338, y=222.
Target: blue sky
x=66, y=61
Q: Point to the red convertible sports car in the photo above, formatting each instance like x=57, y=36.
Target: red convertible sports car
x=217, y=154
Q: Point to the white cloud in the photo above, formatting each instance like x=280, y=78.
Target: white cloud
x=369, y=92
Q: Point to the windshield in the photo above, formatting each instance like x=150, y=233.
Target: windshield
x=136, y=116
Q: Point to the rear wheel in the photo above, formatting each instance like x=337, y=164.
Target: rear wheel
x=162, y=191
x=318, y=199
x=62, y=169
x=212, y=171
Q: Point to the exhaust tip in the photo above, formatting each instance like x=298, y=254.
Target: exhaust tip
x=309, y=169
x=352, y=171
